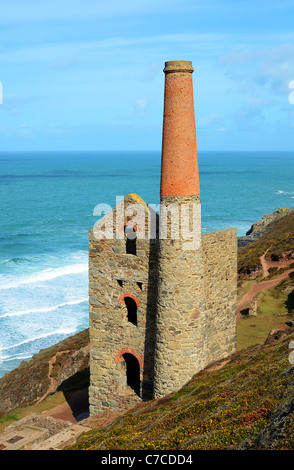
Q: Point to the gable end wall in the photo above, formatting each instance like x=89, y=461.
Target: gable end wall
x=220, y=274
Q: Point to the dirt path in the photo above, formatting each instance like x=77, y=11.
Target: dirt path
x=266, y=264
x=260, y=286
x=53, y=382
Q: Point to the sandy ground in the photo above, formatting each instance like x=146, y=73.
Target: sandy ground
x=74, y=409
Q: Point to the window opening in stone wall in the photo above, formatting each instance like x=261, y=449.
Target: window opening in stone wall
x=133, y=372
x=132, y=310
x=131, y=240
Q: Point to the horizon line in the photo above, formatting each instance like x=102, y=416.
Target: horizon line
x=141, y=150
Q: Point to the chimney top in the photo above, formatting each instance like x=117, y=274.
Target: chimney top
x=174, y=66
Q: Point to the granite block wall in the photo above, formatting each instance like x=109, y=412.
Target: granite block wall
x=122, y=294
x=220, y=273
x=170, y=311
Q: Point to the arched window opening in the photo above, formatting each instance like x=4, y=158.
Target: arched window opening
x=131, y=240
x=133, y=372
x=132, y=310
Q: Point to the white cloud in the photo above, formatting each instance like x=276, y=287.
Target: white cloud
x=257, y=69
x=24, y=131
x=45, y=10
x=211, y=121
x=63, y=63
x=72, y=51
x=140, y=105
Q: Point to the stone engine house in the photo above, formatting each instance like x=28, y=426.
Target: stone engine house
x=159, y=311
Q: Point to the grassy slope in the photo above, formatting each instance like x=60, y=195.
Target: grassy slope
x=275, y=305
x=218, y=409
x=232, y=407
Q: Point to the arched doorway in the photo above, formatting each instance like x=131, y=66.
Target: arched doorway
x=132, y=372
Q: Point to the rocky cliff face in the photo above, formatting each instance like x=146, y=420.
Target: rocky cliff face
x=272, y=237
x=261, y=227
x=62, y=366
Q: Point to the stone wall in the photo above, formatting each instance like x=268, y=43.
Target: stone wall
x=220, y=271
x=116, y=277
x=180, y=320
x=183, y=313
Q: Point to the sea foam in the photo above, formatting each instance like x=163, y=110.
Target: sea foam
x=45, y=275
x=44, y=309
x=59, y=331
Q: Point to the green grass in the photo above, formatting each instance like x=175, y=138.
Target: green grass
x=50, y=402
x=9, y=418
x=273, y=310
x=255, y=329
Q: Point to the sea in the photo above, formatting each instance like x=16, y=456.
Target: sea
x=47, y=206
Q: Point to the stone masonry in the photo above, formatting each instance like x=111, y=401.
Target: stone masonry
x=162, y=295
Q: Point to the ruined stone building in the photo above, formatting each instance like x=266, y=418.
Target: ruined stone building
x=160, y=309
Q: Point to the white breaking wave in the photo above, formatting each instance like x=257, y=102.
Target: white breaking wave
x=287, y=193
x=44, y=309
x=46, y=275
x=14, y=358
x=64, y=331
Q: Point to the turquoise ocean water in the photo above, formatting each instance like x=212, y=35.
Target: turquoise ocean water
x=46, y=209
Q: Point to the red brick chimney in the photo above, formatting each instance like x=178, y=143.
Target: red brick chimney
x=180, y=308
x=179, y=166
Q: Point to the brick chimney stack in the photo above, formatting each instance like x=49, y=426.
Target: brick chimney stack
x=180, y=311
x=179, y=167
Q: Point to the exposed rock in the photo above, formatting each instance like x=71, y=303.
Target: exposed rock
x=63, y=364
x=260, y=227
x=274, y=243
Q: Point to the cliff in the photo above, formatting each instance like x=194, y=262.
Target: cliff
x=63, y=366
x=262, y=226
x=274, y=240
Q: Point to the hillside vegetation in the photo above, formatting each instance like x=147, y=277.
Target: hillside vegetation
x=246, y=403
x=266, y=278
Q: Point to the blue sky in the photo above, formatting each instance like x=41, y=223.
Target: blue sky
x=88, y=74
